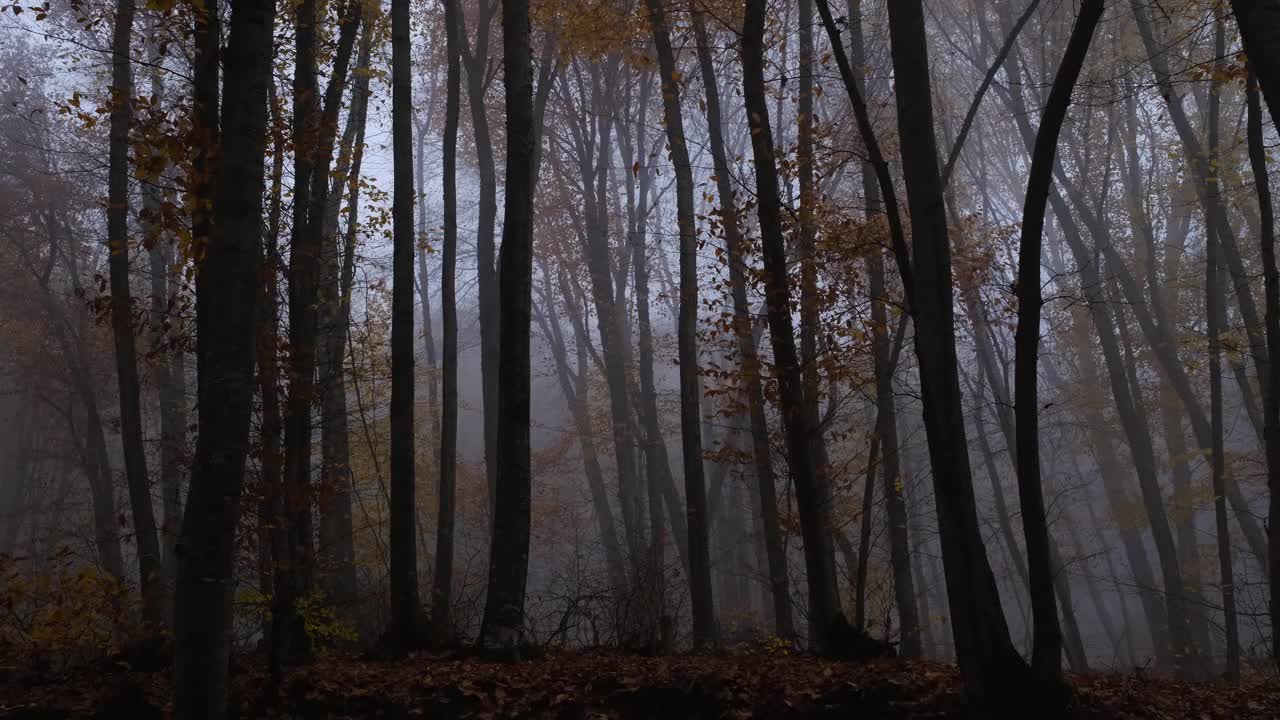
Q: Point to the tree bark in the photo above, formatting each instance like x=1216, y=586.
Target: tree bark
x=1259, y=22
x=1047, y=651
x=442, y=587
x=1271, y=276
x=1214, y=316
x=315, y=133
x=405, y=622
x=762, y=452
x=337, y=541
x=695, y=496
x=228, y=281
x=150, y=575
x=503, y=620
x=813, y=505
x=476, y=63
x=986, y=655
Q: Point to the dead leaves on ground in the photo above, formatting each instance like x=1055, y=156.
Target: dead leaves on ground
x=588, y=686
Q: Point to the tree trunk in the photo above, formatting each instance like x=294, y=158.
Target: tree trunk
x=405, y=621
x=886, y=416
x=476, y=61
x=986, y=654
x=574, y=386
x=226, y=294
x=169, y=367
x=690, y=386
x=442, y=588
x=813, y=504
x=1271, y=414
x=762, y=453
x=1259, y=22
x=1047, y=651
x=337, y=543
x=150, y=575
x=503, y=620
x=1214, y=316
x=315, y=132
x=270, y=450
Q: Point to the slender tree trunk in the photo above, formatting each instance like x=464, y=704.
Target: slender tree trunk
x=476, y=63
x=762, y=453
x=886, y=415
x=1259, y=22
x=270, y=449
x=986, y=654
x=442, y=589
x=173, y=430
x=226, y=294
x=690, y=386
x=150, y=574
x=864, y=531
x=406, y=611
x=1271, y=276
x=1214, y=315
x=824, y=606
x=315, y=133
x=1133, y=418
x=1047, y=651
x=337, y=543
x=503, y=620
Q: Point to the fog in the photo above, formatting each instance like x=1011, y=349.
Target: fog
x=866, y=469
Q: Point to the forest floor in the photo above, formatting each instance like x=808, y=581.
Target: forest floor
x=585, y=686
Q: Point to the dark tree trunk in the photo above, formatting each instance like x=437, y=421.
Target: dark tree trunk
x=1215, y=315
x=226, y=294
x=886, y=415
x=864, y=531
x=690, y=386
x=1047, y=651
x=806, y=247
x=656, y=460
x=503, y=620
x=762, y=453
x=270, y=450
x=405, y=622
x=1271, y=276
x=135, y=458
x=315, y=133
x=476, y=62
x=169, y=369
x=442, y=589
x=986, y=655
x=1132, y=415
x=813, y=505
x=337, y=541
x=1259, y=22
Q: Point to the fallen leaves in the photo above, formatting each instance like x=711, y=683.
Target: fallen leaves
x=580, y=686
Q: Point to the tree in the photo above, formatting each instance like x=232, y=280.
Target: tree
x=986, y=655
x=1271, y=279
x=227, y=281
x=315, y=129
x=813, y=503
x=135, y=459
x=762, y=453
x=405, y=623
x=441, y=600
x=690, y=386
x=1259, y=22
x=1047, y=653
x=509, y=548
